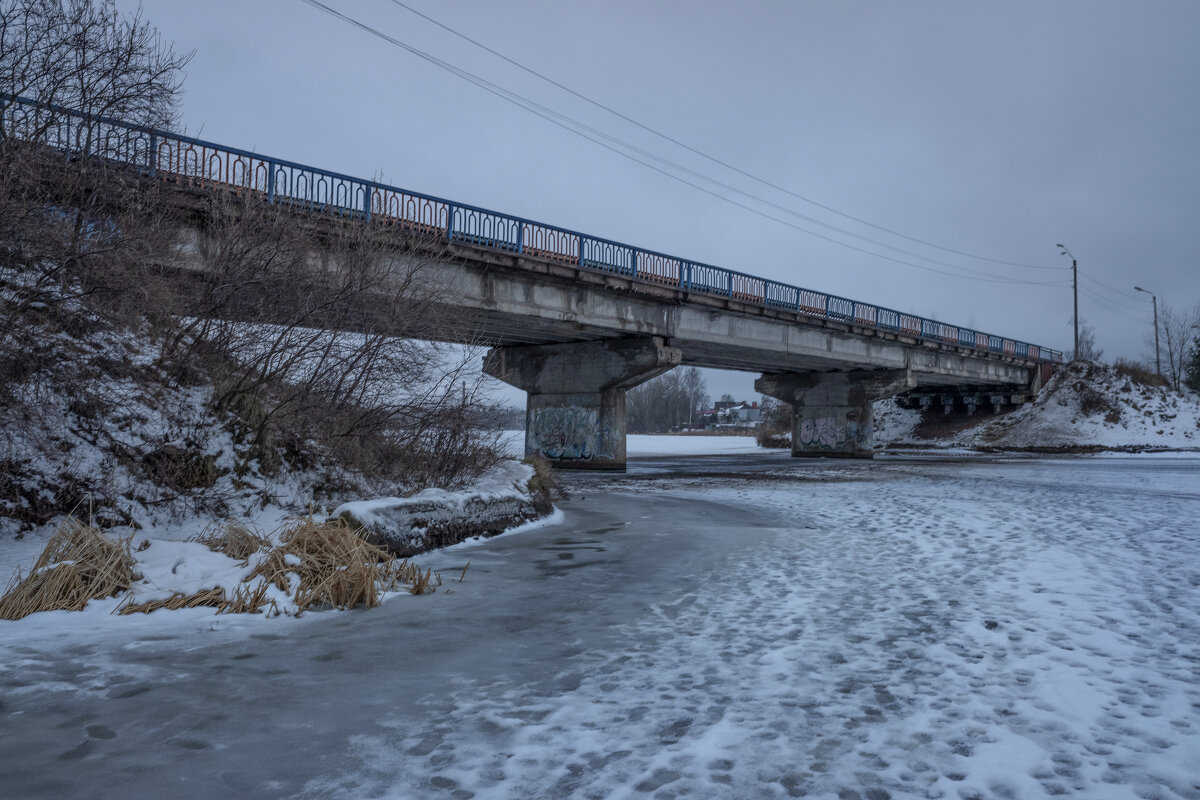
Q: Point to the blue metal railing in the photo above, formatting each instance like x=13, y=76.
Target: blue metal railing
x=206, y=165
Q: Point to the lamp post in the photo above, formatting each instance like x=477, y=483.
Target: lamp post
x=1154, y=301
x=1075, y=291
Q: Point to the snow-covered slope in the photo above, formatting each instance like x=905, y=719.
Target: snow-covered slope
x=1083, y=407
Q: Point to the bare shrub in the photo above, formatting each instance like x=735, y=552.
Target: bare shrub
x=1093, y=401
x=776, y=428
x=321, y=332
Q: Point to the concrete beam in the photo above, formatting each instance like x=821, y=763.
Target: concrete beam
x=832, y=413
x=575, y=408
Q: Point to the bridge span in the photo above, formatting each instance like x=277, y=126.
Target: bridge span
x=576, y=320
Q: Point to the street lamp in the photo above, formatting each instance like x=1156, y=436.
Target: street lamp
x=1075, y=290
x=1154, y=301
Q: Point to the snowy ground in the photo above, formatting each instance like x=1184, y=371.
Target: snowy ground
x=734, y=626
x=1084, y=406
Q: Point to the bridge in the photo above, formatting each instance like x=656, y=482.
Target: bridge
x=575, y=320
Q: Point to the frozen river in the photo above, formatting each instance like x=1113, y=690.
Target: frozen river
x=741, y=626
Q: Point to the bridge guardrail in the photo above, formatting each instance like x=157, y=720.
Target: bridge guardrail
x=206, y=165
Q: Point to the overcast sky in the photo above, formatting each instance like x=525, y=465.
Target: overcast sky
x=992, y=130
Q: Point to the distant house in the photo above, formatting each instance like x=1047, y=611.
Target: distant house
x=729, y=414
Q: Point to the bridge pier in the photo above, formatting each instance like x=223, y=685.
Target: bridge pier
x=831, y=411
x=575, y=411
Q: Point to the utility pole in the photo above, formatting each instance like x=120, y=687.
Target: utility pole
x=1154, y=302
x=1075, y=291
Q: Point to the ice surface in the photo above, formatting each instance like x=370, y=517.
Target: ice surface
x=905, y=629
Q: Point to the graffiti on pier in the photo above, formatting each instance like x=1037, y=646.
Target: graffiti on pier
x=834, y=433
x=569, y=432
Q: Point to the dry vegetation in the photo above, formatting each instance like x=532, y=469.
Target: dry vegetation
x=1138, y=373
x=232, y=539
x=775, y=432
x=79, y=563
x=302, y=339
x=315, y=565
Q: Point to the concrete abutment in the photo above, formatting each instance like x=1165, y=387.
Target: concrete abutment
x=832, y=411
x=575, y=410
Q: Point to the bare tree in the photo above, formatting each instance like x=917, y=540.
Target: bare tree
x=1175, y=332
x=73, y=227
x=72, y=221
x=83, y=55
x=1192, y=366
x=667, y=402
x=1088, y=351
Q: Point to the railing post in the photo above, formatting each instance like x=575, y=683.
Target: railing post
x=729, y=283
x=582, y=262
x=270, y=181
x=520, y=236
x=688, y=269
x=153, y=155
x=449, y=221
x=633, y=254
x=367, y=192
x=827, y=298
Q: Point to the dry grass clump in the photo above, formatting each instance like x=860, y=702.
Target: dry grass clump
x=336, y=567
x=78, y=564
x=214, y=597
x=233, y=539
x=1138, y=373
x=245, y=600
x=319, y=564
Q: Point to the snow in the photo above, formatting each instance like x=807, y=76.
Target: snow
x=1083, y=406
x=509, y=480
x=185, y=567
x=904, y=628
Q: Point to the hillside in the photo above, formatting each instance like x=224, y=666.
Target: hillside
x=1085, y=407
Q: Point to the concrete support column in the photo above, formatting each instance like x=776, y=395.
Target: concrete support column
x=575, y=412
x=831, y=411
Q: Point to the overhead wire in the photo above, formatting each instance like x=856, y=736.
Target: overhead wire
x=1110, y=288
x=1113, y=308
x=713, y=159
x=593, y=135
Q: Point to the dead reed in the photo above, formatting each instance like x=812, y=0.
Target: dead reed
x=233, y=539
x=214, y=597
x=336, y=567
x=318, y=564
x=78, y=564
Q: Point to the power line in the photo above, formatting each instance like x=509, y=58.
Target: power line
x=709, y=157
x=1111, y=307
x=591, y=134
x=1110, y=288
